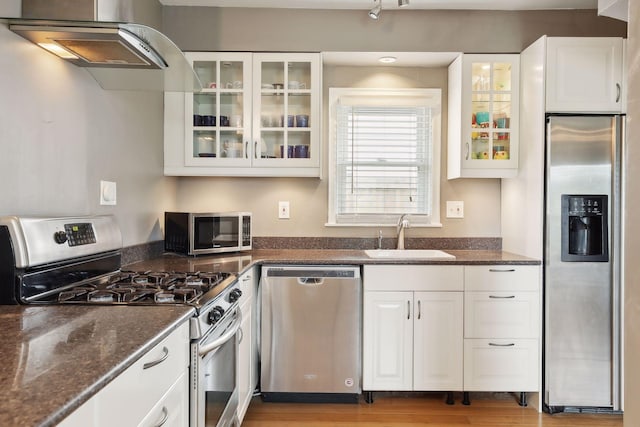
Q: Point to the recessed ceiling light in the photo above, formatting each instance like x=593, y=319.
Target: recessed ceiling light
x=388, y=59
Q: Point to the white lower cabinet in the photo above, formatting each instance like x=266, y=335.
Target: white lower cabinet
x=451, y=328
x=247, y=352
x=412, y=338
x=154, y=387
x=502, y=328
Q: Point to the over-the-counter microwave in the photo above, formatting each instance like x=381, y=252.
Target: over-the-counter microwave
x=207, y=233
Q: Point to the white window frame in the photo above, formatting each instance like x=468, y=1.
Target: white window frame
x=434, y=101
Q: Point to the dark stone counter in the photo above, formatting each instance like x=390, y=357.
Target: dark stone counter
x=54, y=358
x=238, y=262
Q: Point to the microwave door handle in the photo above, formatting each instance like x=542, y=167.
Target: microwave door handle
x=233, y=329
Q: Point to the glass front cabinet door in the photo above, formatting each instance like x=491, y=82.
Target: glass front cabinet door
x=218, y=118
x=257, y=115
x=483, y=116
x=286, y=113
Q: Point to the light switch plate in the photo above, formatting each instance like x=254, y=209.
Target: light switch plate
x=107, y=193
x=455, y=209
x=283, y=210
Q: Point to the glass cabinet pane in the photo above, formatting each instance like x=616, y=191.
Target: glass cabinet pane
x=491, y=107
x=231, y=73
x=204, y=144
x=232, y=145
x=299, y=77
x=207, y=73
x=272, y=74
x=501, y=76
x=480, y=76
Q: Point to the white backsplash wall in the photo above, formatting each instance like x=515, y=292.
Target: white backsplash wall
x=61, y=133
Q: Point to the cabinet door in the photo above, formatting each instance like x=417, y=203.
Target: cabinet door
x=218, y=118
x=142, y=385
x=286, y=117
x=173, y=408
x=387, y=341
x=245, y=388
x=500, y=365
x=438, y=343
x=584, y=74
x=483, y=116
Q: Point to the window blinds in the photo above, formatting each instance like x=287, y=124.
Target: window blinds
x=383, y=162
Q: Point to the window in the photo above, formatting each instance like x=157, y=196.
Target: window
x=384, y=156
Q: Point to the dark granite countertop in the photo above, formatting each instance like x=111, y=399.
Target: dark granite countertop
x=238, y=262
x=54, y=358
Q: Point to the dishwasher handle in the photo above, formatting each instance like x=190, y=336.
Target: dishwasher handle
x=310, y=281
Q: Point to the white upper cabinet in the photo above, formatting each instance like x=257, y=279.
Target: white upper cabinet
x=483, y=116
x=257, y=115
x=584, y=74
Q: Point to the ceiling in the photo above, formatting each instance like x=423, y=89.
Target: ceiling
x=393, y=4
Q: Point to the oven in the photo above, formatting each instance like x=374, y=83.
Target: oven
x=77, y=260
x=214, y=390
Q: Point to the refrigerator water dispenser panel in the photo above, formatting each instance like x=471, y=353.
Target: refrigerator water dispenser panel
x=585, y=228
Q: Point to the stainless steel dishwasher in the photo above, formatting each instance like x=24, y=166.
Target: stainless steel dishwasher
x=311, y=333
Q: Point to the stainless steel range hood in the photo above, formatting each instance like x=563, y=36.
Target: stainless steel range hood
x=104, y=37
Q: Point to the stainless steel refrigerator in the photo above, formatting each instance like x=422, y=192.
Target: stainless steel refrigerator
x=582, y=303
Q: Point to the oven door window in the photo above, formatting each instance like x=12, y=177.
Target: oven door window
x=216, y=232
x=217, y=398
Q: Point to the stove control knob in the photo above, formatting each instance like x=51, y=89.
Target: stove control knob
x=60, y=237
x=215, y=314
x=235, y=295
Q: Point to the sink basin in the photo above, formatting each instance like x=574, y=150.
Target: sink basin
x=427, y=254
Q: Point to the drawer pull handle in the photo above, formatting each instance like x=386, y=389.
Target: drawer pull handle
x=493, y=344
x=408, y=310
x=419, y=310
x=165, y=417
x=148, y=365
x=499, y=297
x=498, y=270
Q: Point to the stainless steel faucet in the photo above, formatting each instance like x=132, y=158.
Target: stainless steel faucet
x=403, y=223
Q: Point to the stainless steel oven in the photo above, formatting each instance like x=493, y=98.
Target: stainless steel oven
x=214, y=387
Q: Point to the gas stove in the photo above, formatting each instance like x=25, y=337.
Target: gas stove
x=77, y=260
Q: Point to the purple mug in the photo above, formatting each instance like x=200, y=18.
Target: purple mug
x=301, y=151
x=289, y=151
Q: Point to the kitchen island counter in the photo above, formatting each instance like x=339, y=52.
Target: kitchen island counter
x=55, y=357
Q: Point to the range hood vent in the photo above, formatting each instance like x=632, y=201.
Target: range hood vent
x=101, y=36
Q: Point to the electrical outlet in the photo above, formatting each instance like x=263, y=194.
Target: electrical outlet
x=455, y=209
x=283, y=210
x=107, y=193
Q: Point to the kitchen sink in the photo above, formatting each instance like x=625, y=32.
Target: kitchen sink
x=427, y=254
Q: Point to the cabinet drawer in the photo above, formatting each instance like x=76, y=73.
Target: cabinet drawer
x=501, y=314
x=501, y=278
x=140, y=387
x=413, y=277
x=500, y=365
x=173, y=408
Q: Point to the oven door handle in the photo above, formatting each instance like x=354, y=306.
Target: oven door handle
x=233, y=329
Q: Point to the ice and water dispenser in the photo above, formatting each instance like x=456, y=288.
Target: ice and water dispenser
x=585, y=228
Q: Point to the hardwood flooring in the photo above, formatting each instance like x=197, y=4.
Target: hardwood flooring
x=424, y=410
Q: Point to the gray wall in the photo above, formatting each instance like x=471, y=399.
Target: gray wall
x=242, y=29
x=60, y=134
x=236, y=29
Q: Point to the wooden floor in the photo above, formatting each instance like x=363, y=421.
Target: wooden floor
x=424, y=410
